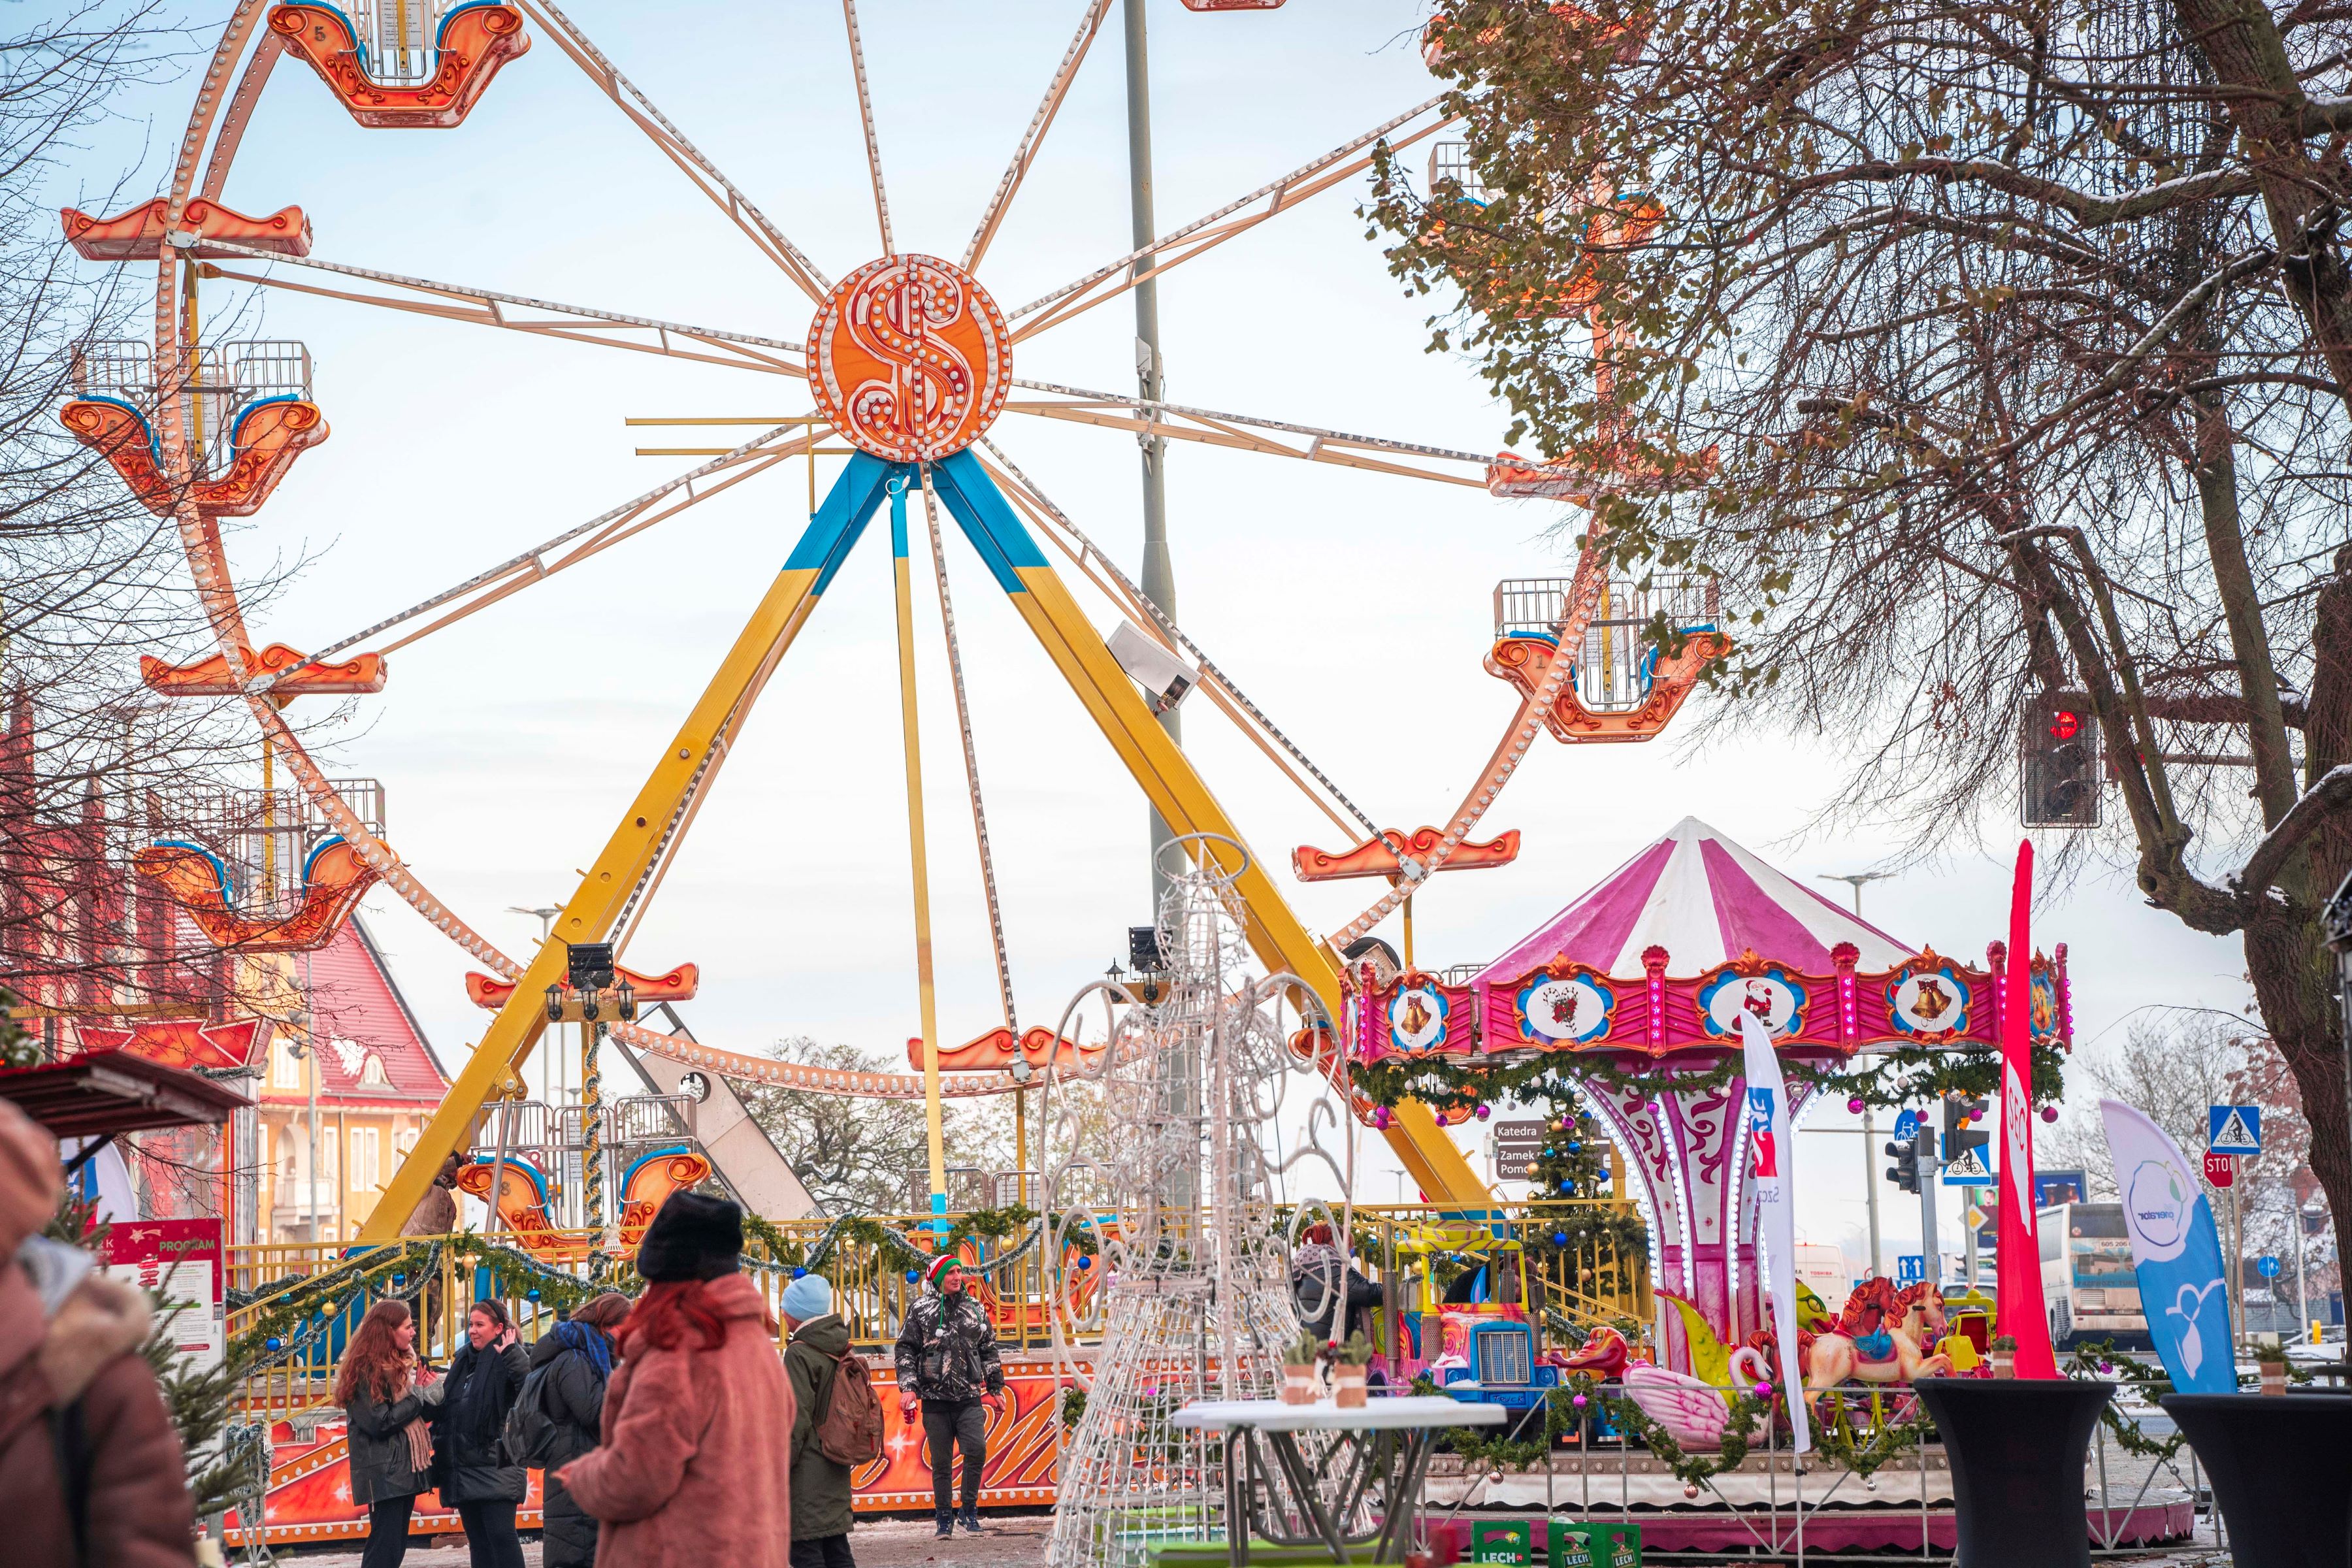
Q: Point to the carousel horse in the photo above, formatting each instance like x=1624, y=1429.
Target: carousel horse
x=1884, y=1335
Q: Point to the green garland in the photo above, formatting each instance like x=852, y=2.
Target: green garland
x=1695, y=1469
x=894, y=1247
x=299, y=1312
x=1906, y=1075
x=1480, y=1451
x=1835, y=1441
x=2100, y=1359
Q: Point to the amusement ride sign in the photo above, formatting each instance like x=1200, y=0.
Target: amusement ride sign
x=909, y=358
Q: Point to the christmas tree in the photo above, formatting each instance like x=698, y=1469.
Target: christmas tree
x=1582, y=1247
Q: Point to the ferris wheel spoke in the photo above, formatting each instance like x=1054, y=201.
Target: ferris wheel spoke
x=1032, y=139
x=971, y=758
x=1178, y=422
x=487, y=308
x=865, y=120
x=642, y=113
x=1055, y=523
x=600, y=532
x=1179, y=245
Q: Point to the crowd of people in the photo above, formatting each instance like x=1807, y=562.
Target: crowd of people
x=667, y=1429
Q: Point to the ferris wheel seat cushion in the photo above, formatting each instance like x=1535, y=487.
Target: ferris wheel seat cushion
x=692, y=1237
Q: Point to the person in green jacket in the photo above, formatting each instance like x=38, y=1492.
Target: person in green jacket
x=821, y=1515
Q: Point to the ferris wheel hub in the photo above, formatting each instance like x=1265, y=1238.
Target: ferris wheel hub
x=909, y=359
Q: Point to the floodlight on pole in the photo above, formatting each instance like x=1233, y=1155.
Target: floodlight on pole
x=1854, y=879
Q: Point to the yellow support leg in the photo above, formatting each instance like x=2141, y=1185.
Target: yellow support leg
x=1184, y=801
x=594, y=907
x=1168, y=779
x=927, y=993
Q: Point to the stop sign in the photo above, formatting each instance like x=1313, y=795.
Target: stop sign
x=2221, y=1170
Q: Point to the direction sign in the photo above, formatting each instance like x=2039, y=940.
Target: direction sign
x=2221, y=1170
x=1970, y=1170
x=1910, y=1268
x=1907, y=1126
x=2234, y=1129
x=2267, y=1266
x=1516, y=1146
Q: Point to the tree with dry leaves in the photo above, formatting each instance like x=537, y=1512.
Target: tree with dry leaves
x=1979, y=350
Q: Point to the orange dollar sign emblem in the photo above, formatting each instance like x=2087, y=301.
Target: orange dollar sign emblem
x=909, y=359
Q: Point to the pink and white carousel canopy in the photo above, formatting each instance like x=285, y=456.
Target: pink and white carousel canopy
x=1706, y=899
x=1665, y=953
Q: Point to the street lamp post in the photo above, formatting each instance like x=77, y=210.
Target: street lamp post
x=1855, y=879
x=551, y=1070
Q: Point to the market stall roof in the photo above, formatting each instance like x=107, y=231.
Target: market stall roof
x=1705, y=900
x=115, y=1093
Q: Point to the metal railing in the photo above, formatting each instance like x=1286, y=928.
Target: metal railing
x=398, y=38
x=1449, y=162
x=222, y=382
x=1778, y=1505
x=1614, y=663
x=1021, y=1282
x=263, y=837
x=1595, y=1283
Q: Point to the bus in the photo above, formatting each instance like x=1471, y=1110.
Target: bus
x=2088, y=1285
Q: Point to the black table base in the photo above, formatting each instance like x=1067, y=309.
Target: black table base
x=2282, y=1473
x=2017, y=1446
x=1261, y=1497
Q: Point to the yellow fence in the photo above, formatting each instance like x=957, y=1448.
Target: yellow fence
x=1412, y=1250
x=869, y=1280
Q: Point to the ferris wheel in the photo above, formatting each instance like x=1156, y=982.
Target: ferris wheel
x=909, y=361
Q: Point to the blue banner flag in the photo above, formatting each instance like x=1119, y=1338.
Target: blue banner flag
x=2178, y=1249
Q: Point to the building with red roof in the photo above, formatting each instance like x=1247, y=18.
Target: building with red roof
x=376, y=1081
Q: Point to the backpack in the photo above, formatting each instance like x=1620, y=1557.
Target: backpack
x=533, y=1439
x=850, y=1432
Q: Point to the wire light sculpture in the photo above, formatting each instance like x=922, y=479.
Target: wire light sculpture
x=1172, y=1124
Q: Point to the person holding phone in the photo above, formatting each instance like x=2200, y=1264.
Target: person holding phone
x=947, y=1368
x=469, y=1456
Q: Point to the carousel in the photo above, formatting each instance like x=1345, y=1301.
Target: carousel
x=1645, y=975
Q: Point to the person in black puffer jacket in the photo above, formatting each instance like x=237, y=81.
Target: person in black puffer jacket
x=581, y=1351
x=470, y=1461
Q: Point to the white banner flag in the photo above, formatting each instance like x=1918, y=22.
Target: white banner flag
x=1776, y=1219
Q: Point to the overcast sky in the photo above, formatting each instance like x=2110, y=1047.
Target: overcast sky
x=1354, y=608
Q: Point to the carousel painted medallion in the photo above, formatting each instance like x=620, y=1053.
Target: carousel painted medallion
x=909, y=359
x=1772, y=994
x=1417, y=1017
x=1928, y=1000
x=1573, y=1010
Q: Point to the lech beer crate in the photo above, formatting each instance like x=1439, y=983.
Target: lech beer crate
x=1502, y=1540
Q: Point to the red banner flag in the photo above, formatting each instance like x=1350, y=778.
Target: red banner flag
x=2018, y=1311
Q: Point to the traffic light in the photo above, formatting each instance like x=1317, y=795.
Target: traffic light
x=1905, y=1172
x=1964, y=1121
x=2058, y=758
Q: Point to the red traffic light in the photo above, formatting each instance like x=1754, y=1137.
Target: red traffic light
x=2065, y=723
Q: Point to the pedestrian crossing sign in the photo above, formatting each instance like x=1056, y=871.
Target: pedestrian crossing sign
x=2234, y=1129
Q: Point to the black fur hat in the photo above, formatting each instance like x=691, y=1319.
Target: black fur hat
x=692, y=1237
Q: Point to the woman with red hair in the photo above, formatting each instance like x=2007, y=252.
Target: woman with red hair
x=696, y=1464
x=380, y=1386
